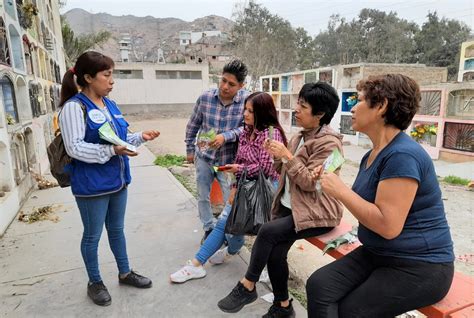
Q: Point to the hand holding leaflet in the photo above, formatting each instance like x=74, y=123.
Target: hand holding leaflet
x=331, y=164
x=334, y=161
x=205, y=138
x=107, y=133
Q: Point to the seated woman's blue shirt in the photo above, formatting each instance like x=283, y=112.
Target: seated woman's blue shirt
x=425, y=235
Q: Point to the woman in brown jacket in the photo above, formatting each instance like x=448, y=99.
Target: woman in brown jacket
x=298, y=211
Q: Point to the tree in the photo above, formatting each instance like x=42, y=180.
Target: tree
x=439, y=41
x=76, y=45
x=305, y=49
x=389, y=39
x=270, y=45
x=265, y=42
x=337, y=45
x=374, y=37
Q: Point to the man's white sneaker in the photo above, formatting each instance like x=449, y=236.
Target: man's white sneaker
x=220, y=256
x=187, y=272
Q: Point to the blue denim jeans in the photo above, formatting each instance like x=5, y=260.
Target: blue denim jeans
x=215, y=240
x=95, y=212
x=205, y=175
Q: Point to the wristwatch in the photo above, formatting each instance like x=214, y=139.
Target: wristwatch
x=284, y=160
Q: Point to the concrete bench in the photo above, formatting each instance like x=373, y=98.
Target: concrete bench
x=459, y=302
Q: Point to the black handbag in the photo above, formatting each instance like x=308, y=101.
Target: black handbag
x=252, y=204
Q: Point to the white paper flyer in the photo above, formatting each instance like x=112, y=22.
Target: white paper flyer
x=107, y=133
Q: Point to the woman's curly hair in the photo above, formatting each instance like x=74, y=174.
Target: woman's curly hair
x=401, y=92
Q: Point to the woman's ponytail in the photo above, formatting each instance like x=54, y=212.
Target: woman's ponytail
x=68, y=87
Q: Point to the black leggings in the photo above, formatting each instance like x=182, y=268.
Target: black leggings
x=363, y=284
x=271, y=248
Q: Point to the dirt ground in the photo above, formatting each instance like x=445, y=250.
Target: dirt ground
x=303, y=257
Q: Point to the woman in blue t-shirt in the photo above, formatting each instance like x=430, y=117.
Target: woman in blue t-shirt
x=406, y=260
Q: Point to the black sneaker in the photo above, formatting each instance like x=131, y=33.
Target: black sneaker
x=99, y=293
x=206, y=234
x=237, y=299
x=277, y=311
x=136, y=280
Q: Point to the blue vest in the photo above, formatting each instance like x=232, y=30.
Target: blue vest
x=93, y=179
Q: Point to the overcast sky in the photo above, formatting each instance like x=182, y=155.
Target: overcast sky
x=313, y=15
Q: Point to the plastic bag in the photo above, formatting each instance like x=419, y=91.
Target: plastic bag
x=251, y=206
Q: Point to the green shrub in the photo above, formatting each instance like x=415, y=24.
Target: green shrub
x=169, y=160
x=456, y=180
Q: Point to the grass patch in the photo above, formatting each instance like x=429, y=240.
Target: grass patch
x=185, y=182
x=456, y=180
x=169, y=160
x=300, y=296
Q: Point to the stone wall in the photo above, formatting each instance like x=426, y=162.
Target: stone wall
x=455, y=156
x=421, y=74
x=162, y=110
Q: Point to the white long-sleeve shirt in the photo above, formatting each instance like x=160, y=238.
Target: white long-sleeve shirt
x=73, y=129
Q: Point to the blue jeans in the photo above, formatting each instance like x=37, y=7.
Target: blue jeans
x=205, y=175
x=95, y=212
x=215, y=240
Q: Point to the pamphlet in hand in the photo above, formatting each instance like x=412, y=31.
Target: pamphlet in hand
x=334, y=161
x=205, y=138
x=107, y=133
x=331, y=164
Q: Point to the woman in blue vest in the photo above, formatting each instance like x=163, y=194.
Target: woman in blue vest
x=100, y=171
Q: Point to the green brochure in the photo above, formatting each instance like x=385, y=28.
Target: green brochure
x=107, y=133
x=334, y=161
x=331, y=164
x=205, y=138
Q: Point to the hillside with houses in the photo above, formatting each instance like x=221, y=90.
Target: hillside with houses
x=148, y=34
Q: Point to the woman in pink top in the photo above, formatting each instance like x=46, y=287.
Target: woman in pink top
x=259, y=115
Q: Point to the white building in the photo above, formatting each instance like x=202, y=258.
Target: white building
x=190, y=37
x=31, y=64
x=125, y=46
x=150, y=87
x=466, y=62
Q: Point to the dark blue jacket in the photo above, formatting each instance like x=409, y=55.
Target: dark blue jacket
x=93, y=179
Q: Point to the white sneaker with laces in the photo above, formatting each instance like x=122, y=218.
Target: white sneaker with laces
x=187, y=272
x=219, y=257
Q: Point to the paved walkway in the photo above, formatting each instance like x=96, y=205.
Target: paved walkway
x=42, y=273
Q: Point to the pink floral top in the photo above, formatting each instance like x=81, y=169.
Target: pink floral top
x=253, y=156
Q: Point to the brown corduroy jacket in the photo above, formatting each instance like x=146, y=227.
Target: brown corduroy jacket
x=309, y=208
